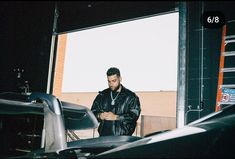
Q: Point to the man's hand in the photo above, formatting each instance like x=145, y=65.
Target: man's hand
x=108, y=116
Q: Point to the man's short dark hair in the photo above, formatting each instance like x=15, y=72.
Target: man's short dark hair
x=113, y=71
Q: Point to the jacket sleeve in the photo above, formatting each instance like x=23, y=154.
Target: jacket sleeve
x=129, y=119
x=96, y=109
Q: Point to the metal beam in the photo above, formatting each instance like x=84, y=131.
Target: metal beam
x=53, y=45
x=181, y=81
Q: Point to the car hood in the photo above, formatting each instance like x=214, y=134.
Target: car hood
x=202, y=138
x=76, y=117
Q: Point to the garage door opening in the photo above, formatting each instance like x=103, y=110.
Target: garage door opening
x=146, y=52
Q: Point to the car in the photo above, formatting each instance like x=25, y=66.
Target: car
x=37, y=125
x=209, y=137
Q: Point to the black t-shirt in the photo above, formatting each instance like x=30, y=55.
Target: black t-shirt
x=109, y=125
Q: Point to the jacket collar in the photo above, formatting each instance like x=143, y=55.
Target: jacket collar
x=123, y=91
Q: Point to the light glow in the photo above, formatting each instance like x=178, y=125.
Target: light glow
x=145, y=51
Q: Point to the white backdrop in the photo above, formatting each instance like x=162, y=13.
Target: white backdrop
x=145, y=51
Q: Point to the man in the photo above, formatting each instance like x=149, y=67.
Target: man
x=116, y=108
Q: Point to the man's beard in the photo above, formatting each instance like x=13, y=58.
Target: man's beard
x=115, y=89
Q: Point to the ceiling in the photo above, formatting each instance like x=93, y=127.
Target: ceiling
x=82, y=14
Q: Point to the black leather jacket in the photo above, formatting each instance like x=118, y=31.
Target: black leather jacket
x=127, y=107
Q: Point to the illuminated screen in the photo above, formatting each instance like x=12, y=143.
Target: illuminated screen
x=145, y=50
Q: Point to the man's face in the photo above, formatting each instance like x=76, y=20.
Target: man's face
x=114, y=82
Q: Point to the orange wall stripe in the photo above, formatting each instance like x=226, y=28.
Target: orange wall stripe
x=221, y=74
x=59, y=68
